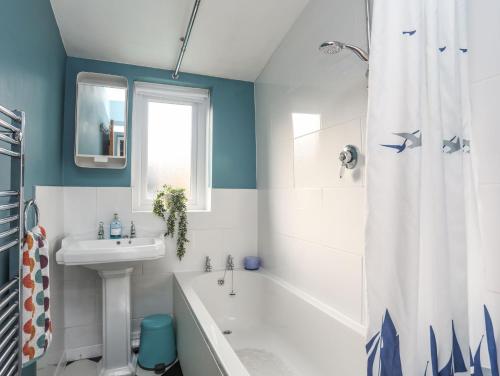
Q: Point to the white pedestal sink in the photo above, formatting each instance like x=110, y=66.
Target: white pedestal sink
x=114, y=260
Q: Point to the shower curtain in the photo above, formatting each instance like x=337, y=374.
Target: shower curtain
x=428, y=311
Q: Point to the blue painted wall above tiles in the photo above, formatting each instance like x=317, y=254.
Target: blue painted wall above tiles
x=32, y=71
x=233, y=163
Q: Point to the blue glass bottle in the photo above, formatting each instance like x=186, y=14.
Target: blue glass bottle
x=115, y=228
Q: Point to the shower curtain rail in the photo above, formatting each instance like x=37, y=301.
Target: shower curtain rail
x=185, y=39
x=11, y=238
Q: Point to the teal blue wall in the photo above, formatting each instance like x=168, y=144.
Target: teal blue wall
x=32, y=71
x=233, y=161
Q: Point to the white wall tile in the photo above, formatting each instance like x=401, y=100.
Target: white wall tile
x=230, y=227
x=316, y=157
x=343, y=219
x=80, y=302
x=485, y=120
x=83, y=336
x=484, y=51
x=333, y=277
x=490, y=218
x=311, y=222
x=151, y=295
x=484, y=31
x=114, y=200
x=79, y=273
x=80, y=210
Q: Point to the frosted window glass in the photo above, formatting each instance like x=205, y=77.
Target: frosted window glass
x=169, y=146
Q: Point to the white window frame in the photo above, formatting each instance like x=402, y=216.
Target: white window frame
x=199, y=99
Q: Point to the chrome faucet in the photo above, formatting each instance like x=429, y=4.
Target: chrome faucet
x=132, y=230
x=100, y=232
x=230, y=263
x=208, y=265
x=229, y=267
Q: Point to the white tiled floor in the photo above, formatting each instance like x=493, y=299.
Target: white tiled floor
x=81, y=368
x=87, y=367
x=46, y=371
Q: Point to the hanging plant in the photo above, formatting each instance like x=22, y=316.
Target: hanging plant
x=170, y=204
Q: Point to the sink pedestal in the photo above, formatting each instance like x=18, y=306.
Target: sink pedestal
x=114, y=259
x=116, y=360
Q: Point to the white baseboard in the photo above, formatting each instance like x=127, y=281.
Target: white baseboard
x=83, y=353
x=93, y=351
x=135, y=338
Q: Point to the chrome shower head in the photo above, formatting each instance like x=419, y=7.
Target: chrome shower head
x=335, y=47
x=331, y=48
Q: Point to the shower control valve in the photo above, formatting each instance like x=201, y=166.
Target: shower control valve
x=348, y=159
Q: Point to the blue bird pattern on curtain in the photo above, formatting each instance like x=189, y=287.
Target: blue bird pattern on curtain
x=385, y=344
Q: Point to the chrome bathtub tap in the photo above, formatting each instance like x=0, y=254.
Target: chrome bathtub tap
x=133, y=234
x=230, y=267
x=230, y=263
x=208, y=265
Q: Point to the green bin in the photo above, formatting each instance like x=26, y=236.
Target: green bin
x=157, y=345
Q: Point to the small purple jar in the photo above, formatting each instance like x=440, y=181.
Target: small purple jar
x=252, y=263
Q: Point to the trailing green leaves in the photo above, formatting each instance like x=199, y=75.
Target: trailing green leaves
x=170, y=204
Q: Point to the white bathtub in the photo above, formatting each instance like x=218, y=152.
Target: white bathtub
x=275, y=329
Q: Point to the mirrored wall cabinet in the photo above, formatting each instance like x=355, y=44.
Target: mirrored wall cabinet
x=101, y=121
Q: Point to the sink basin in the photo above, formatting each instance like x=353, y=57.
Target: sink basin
x=109, y=254
x=114, y=259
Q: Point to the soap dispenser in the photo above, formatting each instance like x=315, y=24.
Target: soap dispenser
x=115, y=228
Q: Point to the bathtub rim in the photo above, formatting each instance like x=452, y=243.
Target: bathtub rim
x=216, y=343
x=229, y=362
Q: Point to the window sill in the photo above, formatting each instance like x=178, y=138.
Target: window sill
x=150, y=211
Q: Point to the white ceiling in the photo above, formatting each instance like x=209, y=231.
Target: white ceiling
x=231, y=38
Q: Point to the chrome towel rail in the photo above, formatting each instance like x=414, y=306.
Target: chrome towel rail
x=11, y=237
x=6, y=301
x=9, y=324
x=10, y=153
x=7, y=352
x=12, y=231
x=8, y=126
x=30, y=204
x=7, y=313
x=10, y=366
x=5, y=288
x=9, y=245
x=12, y=218
x=8, y=193
x=9, y=206
x=9, y=338
x=11, y=114
x=8, y=139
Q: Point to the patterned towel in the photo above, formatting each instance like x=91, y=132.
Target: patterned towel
x=37, y=326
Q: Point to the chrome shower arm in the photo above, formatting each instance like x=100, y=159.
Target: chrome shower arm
x=362, y=54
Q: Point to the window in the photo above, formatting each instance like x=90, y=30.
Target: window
x=171, y=143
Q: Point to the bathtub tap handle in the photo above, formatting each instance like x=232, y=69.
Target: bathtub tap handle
x=230, y=263
x=208, y=265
